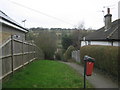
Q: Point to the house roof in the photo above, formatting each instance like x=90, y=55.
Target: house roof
x=105, y=35
x=8, y=21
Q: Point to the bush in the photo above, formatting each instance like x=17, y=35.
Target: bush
x=67, y=54
x=106, y=57
x=59, y=55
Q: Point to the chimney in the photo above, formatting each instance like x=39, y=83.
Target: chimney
x=108, y=19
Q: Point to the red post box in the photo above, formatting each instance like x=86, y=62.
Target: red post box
x=89, y=68
x=89, y=64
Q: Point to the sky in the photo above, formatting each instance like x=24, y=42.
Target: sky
x=60, y=13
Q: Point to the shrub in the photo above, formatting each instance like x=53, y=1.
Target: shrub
x=106, y=57
x=59, y=55
x=67, y=54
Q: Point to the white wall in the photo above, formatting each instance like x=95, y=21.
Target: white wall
x=116, y=43
x=107, y=43
x=101, y=43
x=83, y=43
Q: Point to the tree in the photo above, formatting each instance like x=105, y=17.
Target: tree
x=77, y=35
x=46, y=41
x=81, y=26
x=75, y=38
x=66, y=41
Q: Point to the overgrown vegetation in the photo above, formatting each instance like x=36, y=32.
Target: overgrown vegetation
x=67, y=54
x=59, y=55
x=45, y=74
x=106, y=57
x=45, y=40
x=66, y=41
x=72, y=39
x=55, y=41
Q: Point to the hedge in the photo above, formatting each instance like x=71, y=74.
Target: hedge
x=106, y=57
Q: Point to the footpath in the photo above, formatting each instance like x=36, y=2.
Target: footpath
x=97, y=79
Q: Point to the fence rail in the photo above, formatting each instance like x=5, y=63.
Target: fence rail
x=15, y=54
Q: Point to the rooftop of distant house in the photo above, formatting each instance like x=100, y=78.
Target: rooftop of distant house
x=106, y=34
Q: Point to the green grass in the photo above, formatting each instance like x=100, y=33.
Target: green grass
x=45, y=74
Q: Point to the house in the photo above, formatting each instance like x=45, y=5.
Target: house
x=107, y=35
x=10, y=27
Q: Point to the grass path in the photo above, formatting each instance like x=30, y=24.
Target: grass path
x=45, y=74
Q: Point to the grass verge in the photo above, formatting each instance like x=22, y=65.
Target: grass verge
x=45, y=74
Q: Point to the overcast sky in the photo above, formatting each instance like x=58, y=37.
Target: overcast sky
x=59, y=13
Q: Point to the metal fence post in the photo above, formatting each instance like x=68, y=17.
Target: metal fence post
x=84, y=74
